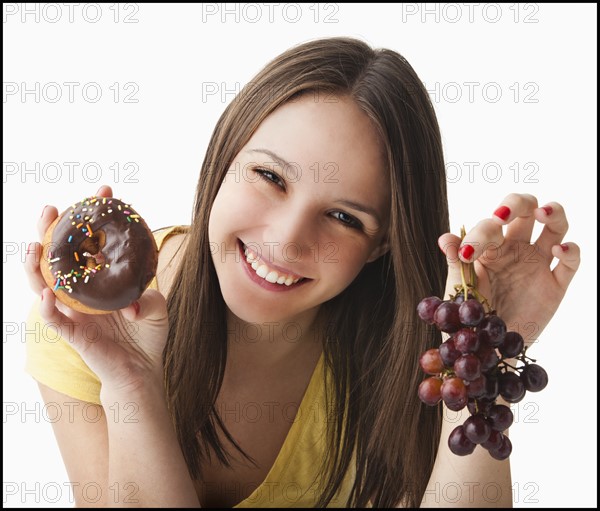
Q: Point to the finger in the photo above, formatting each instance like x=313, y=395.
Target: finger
x=32, y=267
x=50, y=313
x=553, y=216
x=449, y=244
x=517, y=213
x=66, y=327
x=151, y=306
x=49, y=214
x=485, y=236
x=104, y=191
x=568, y=255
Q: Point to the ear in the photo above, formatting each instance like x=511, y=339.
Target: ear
x=379, y=250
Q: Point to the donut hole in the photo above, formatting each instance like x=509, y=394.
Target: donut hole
x=91, y=248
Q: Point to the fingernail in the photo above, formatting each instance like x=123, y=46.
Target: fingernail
x=502, y=212
x=99, y=190
x=136, y=306
x=466, y=252
x=547, y=209
x=564, y=247
x=43, y=211
x=30, y=248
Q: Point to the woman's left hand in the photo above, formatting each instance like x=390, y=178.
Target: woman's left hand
x=513, y=272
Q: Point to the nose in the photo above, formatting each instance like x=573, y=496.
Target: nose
x=291, y=232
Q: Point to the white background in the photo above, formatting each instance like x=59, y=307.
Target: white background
x=182, y=64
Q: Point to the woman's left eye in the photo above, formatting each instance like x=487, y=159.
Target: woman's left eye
x=347, y=220
x=270, y=177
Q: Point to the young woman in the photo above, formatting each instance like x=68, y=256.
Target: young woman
x=275, y=362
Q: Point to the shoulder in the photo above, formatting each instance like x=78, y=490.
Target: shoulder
x=171, y=243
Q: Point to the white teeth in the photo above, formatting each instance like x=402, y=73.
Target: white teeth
x=272, y=277
x=266, y=273
x=262, y=271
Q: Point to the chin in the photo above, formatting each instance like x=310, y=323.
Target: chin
x=261, y=312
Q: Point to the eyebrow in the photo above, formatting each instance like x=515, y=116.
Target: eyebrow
x=348, y=203
x=284, y=163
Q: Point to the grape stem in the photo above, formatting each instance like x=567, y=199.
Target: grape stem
x=523, y=356
x=465, y=286
x=506, y=364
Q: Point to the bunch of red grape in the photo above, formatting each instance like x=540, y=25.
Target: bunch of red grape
x=470, y=369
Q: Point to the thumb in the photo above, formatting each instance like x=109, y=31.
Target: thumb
x=449, y=244
x=151, y=306
x=104, y=191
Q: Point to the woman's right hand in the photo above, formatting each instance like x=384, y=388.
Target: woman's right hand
x=124, y=348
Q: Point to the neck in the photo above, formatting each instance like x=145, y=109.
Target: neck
x=273, y=342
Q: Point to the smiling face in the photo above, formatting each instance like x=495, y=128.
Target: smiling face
x=319, y=218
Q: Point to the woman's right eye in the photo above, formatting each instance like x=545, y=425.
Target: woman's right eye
x=270, y=177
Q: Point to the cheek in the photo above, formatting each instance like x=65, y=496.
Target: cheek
x=230, y=209
x=341, y=264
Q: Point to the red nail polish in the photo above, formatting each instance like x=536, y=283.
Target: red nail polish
x=43, y=211
x=136, y=306
x=502, y=212
x=466, y=252
x=548, y=210
x=564, y=247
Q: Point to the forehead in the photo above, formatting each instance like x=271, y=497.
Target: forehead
x=326, y=135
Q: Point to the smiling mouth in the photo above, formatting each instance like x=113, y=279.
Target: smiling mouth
x=267, y=272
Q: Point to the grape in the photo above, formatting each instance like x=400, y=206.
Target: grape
x=512, y=345
x=460, y=298
x=534, y=377
x=492, y=387
x=459, y=443
x=494, y=441
x=471, y=312
x=427, y=308
x=429, y=391
x=492, y=330
x=466, y=340
x=448, y=352
x=446, y=317
x=488, y=357
x=431, y=361
x=511, y=387
x=502, y=452
x=476, y=387
x=454, y=393
x=479, y=406
x=477, y=429
x=471, y=369
x=500, y=417
x=467, y=367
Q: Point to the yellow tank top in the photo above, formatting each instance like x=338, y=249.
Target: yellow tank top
x=291, y=480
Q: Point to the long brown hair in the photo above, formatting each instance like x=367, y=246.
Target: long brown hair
x=374, y=337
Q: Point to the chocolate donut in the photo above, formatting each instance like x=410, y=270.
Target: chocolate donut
x=99, y=255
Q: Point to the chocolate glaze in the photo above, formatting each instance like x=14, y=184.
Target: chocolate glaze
x=116, y=251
